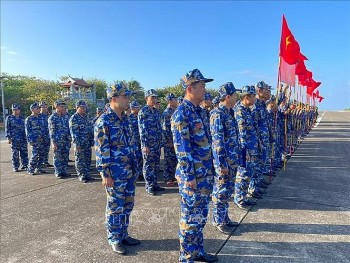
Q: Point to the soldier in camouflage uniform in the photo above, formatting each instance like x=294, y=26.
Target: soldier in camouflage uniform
x=170, y=160
x=226, y=153
x=151, y=137
x=44, y=115
x=115, y=161
x=99, y=112
x=194, y=171
x=16, y=136
x=249, y=145
x=82, y=136
x=60, y=138
x=216, y=102
x=33, y=124
x=135, y=108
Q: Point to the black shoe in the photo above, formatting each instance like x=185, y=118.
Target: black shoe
x=140, y=179
x=119, y=248
x=66, y=174
x=24, y=167
x=256, y=195
x=60, y=175
x=129, y=241
x=232, y=223
x=225, y=229
x=48, y=165
x=151, y=191
x=248, y=202
x=70, y=161
x=15, y=170
x=207, y=258
x=84, y=179
x=242, y=206
x=262, y=191
x=40, y=171
x=158, y=188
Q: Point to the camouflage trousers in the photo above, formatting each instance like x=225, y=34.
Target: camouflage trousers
x=194, y=212
x=19, y=152
x=222, y=191
x=243, y=179
x=170, y=163
x=36, y=158
x=46, y=150
x=61, y=157
x=138, y=162
x=151, y=167
x=120, y=203
x=82, y=161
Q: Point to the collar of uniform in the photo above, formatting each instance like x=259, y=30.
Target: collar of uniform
x=110, y=111
x=223, y=108
x=189, y=104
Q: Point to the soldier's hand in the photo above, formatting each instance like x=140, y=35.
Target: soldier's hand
x=107, y=181
x=146, y=150
x=9, y=141
x=223, y=171
x=54, y=146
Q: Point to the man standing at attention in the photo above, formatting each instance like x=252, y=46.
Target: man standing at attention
x=151, y=138
x=115, y=162
x=194, y=171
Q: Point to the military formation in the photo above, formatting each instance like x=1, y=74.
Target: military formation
x=217, y=148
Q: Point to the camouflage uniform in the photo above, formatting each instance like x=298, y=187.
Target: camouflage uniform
x=15, y=131
x=137, y=143
x=33, y=125
x=60, y=135
x=170, y=160
x=194, y=171
x=151, y=136
x=115, y=158
x=249, y=142
x=82, y=137
x=225, y=149
x=46, y=136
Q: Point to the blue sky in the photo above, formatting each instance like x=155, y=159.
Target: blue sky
x=158, y=42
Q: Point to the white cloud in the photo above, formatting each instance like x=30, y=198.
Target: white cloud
x=12, y=52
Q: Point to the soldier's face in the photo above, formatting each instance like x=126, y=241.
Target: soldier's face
x=43, y=108
x=151, y=101
x=81, y=110
x=36, y=111
x=198, y=90
x=16, y=112
x=251, y=99
x=122, y=102
x=173, y=103
x=135, y=110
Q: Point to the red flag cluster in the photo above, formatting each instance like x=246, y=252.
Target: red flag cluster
x=292, y=63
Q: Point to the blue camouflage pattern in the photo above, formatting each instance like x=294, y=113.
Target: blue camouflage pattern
x=15, y=131
x=194, y=173
x=83, y=139
x=226, y=155
x=46, y=136
x=151, y=136
x=170, y=160
x=134, y=126
x=115, y=158
x=33, y=125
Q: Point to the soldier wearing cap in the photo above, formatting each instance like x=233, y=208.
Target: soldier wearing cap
x=82, y=137
x=207, y=105
x=194, y=171
x=249, y=146
x=179, y=100
x=16, y=136
x=99, y=112
x=151, y=137
x=35, y=138
x=44, y=115
x=216, y=102
x=135, y=108
x=226, y=154
x=115, y=161
x=170, y=160
x=60, y=138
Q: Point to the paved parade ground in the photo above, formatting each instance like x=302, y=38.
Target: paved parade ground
x=304, y=217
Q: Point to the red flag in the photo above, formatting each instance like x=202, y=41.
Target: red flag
x=289, y=47
x=287, y=72
x=320, y=98
x=304, y=79
x=312, y=85
x=300, y=68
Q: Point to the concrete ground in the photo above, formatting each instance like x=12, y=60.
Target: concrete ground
x=304, y=217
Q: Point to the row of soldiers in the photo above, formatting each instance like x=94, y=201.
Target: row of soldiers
x=219, y=151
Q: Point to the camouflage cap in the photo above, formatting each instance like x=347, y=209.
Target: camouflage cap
x=151, y=93
x=227, y=89
x=98, y=109
x=180, y=99
x=192, y=77
x=119, y=89
x=134, y=104
x=260, y=85
x=80, y=103
x=170, y=96
x=247, y=90
x=208, y=96
x=34, y=106
x=60, y=102
x=42, y=103
x=216, y=100
x=15, y=106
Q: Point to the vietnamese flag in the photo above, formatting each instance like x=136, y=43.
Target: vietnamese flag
x=289, y=47
x=304, y=79
x=300, y=68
